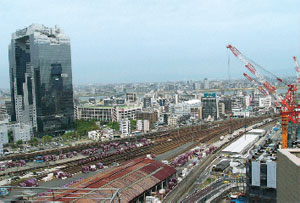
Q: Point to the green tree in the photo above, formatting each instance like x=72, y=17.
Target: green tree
x=19, y=142
x=133, y=124
x=10, y=137
x=65, y=137
x=34, y=141
x=83, y=127
x=46, y=139
x=114, y=125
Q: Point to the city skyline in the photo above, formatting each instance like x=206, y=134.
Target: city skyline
x=122, y=41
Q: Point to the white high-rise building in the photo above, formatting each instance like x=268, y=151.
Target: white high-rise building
x=265, y=102
x=22, y=131
x=143, y=125
x=206, y=84
x=125, y=127
x=3, y=129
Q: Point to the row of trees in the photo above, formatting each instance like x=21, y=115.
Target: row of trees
x=82, y=127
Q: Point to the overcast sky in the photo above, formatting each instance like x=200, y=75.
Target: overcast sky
x=160, y=40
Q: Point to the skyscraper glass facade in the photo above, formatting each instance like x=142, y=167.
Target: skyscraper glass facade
x=41, y=78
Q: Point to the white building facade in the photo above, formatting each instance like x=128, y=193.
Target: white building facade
x=125, y=127
x=143, y=125
x=4, y=130
x=22, y=131
x=126, y=112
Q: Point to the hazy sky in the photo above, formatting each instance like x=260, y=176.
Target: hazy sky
x=159, y=40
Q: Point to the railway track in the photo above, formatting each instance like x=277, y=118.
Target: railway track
x=153, y=135
x=161, y=144
x=164, y=142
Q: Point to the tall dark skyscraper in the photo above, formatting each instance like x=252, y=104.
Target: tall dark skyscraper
x=41, y=78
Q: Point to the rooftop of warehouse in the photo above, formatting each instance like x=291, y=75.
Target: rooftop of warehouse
x=239, y=145
x=133, y=178
x=257, y=130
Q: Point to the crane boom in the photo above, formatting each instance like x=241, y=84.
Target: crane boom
x=271, y=89
x=260, y=88
x=297, y=69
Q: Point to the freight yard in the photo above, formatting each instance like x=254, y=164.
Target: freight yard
x=183, y=149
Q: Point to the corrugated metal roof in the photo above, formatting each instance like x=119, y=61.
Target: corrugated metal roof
x=133, y=178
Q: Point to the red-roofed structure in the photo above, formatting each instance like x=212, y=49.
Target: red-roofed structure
x=134, y=179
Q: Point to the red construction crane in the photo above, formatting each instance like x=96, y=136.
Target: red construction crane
x=260, y=88
x=297, y=69
x=289, y=110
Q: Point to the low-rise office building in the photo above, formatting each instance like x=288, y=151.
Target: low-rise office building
x=22, y=131
x=100, y=113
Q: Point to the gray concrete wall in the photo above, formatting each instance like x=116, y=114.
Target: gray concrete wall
x=288, y=180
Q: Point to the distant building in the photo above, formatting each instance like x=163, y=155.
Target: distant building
x=196, y=113
x=173, y=121
x=1, y=148
x=206, y=84
x=131, y=97
x=108, y=102
x=120, y=101
x=165, y=119
x=162, y=102
x=143, y=125
x=22, y=131
x=227, y=102
x=210, y=106
x=41, y=78
x=147, y=102
x=152, y=117
x=8, y=106
x=221, y=107
x=125, y=112
x=265, y=102
x=4, y=129
x=100, y=113
x=197, y=86
x=176, y=98
x=241, y=113
x=3, y=109
x=184, y=108
x=94, y=135
x=125, y=127
x=288, y=175
x=92, y=100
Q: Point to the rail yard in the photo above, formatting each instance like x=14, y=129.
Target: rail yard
x=71, y=161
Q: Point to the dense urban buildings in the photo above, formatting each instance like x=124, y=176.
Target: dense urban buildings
x=41, y=78
x=210, y=106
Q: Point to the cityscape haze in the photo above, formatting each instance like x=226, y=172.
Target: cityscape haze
x=154, y=41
